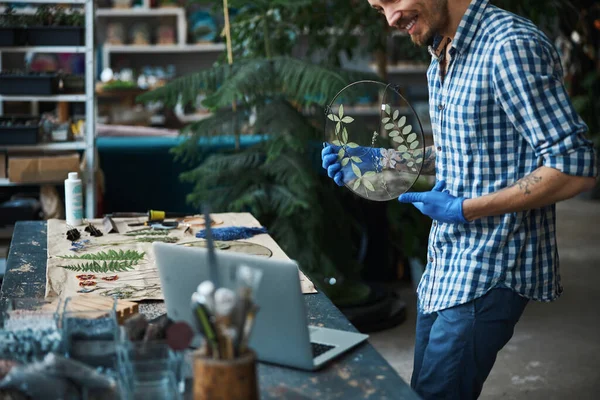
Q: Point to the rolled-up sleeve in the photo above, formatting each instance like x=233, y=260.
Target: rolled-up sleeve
x=528, y=85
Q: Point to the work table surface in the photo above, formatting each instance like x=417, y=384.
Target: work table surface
x=361, y=373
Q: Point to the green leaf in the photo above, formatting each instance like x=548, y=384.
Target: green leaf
x=411, y=138
x=398, y=139
x=369, y=185
x=389, y=126
x=337, y=128
x=356, y=170
x=369, y=174
x=336, y=142
x=401, y=122
x=356, y=159
x=352, y=145
x=386, y=120
x=341, y=111
x=341, y=153
x=414, y=145
x=344, y=135
x=418, y=153
x=402, y=149
x=407, y=129
x=410, y=164
x=406, y=156
x=388, y=109
x=347, y=120
x=333, y=117
x=396, y=113
x=394, y=133
x=356, y=184
x=419, y=160
x=345, y=161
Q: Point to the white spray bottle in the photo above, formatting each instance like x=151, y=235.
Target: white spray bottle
x=73, y=200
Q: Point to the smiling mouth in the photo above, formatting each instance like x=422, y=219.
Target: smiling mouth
x=407, y=23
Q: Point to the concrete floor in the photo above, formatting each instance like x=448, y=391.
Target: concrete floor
x=555, y=352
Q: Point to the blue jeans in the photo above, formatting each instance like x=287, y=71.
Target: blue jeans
x=456, y=348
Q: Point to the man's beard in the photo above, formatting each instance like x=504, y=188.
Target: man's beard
x=436, y=25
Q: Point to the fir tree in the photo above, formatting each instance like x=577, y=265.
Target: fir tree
x=279, y=100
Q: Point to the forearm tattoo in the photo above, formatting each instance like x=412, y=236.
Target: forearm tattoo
x=527, y=183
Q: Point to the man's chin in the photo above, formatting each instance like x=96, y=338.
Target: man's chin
x=421, y=39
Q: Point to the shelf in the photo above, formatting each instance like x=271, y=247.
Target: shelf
x=50, y=1
x=6, y=182
x=403, y=69
x=6, y=232
x=187, y=118
x=139, y=12
x=173, y=48
x=44, y=49
x=44, y=146
x=407, y=69
x=52, y=98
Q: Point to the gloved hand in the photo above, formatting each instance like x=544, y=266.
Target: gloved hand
x=438, y=204
x=340, y=165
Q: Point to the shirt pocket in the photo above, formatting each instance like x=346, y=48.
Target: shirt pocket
x=461, y=123
x=461, y=146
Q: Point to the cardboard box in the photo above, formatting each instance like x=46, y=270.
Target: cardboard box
x=2, y=165
x=42, y=169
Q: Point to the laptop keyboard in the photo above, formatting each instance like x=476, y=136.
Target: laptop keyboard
x=319, y=348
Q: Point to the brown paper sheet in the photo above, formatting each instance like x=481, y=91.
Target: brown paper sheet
x=141, y=282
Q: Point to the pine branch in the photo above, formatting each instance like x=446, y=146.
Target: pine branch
x=304, y=82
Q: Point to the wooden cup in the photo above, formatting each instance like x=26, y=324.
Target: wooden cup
x=225, y=379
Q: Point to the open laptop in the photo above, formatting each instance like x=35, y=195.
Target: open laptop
x=281, y=334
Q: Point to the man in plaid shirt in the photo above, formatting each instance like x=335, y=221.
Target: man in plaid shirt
x=508, y=146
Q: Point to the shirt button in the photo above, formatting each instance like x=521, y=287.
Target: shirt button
x=430, y=259
x=439, y=148
x=441, y=107
x=434, y=223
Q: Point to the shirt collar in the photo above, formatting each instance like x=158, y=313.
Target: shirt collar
x=468, y=25
x=465, y=32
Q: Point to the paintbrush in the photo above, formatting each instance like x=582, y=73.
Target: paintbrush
x=212, y=257
x=248, y=280
x=225, y=301
x=204, y=324
x=248, y=325
x=207, y=289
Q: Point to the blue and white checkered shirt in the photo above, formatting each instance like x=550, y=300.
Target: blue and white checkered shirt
x=501, y=112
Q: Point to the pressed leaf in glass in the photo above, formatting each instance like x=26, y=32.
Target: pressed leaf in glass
x=374, y=151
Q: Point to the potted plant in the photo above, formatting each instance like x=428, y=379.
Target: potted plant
x=56, y=26
x=28, y=83
x=273, y=172
x=19, y=130
x=11, y=32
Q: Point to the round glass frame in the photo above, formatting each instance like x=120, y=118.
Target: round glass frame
x=380, y=148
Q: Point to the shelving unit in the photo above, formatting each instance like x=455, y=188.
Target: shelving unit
x=107, y=50
x=88, y=146
x=146, y=12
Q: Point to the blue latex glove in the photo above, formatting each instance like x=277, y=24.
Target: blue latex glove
x=437, y=204
x=366, y=159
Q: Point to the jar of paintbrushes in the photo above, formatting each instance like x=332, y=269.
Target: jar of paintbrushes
x=225, y=367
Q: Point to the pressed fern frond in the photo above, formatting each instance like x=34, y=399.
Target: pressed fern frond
x=104, y=267
x=111, y=261
x=129, y=255
x=148, y=233
x=151, y=239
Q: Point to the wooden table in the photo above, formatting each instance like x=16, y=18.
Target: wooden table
x=359, y=374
